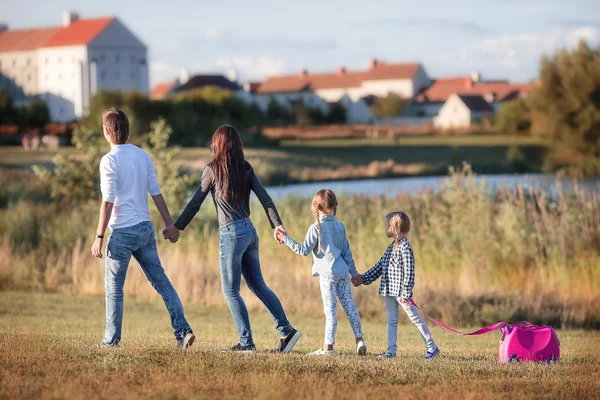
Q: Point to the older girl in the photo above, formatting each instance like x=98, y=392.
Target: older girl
x=333, y=263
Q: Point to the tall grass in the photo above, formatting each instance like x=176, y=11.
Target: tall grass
x=481, y=255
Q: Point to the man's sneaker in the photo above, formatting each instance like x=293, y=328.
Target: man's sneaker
x=386, y=355
x=287, y=343
x=187, y=341
x=322, y=352
x=431, y=354
x=238, y=348
x=103, y=345
x=361, y=348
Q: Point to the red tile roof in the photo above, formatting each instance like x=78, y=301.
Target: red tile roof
x=339, y=79
x=162, y=89
x=253, y=86
x=26, y=39
x=441, y=89
x=78, y=33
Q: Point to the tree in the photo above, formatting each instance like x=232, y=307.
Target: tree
x=37, y=113
x=388, y=107
x=75, y=179
x=568, y=100
x=302, y=114
x=337, y=114
x=7, y=109
x=513, y=118
x=278, y=114
x=173, y=185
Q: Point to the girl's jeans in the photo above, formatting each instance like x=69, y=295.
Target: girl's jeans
x=331, y=290
x=391, y=304
x=238, y=249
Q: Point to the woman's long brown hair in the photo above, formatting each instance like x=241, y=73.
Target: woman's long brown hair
x=228, y=164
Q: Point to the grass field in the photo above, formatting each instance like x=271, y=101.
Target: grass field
x=47, y=351
x=295, y=161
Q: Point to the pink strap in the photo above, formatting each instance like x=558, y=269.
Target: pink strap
x=446, y=327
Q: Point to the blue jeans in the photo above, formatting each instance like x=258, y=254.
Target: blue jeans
x=139, y=241
x=238, y=250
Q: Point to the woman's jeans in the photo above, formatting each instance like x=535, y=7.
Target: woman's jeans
x=139, y=241
x=238, y=250
x=411, y=310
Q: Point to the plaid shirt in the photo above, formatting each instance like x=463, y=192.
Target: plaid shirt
x=397, y=271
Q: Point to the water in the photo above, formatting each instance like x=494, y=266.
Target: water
x=413, y=185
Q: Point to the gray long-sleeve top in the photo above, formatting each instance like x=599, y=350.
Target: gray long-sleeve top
x=228, y=212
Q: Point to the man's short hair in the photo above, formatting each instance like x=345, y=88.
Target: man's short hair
x=116, y=124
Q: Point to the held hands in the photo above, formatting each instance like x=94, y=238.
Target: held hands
x=279, y=234
x=171, y=233
x=358, y=280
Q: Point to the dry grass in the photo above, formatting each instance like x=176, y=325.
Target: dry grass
x=481, y=257
x=47, y=352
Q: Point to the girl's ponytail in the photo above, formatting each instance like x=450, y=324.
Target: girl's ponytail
x=319, y=230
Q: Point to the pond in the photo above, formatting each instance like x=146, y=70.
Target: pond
x=394, y=186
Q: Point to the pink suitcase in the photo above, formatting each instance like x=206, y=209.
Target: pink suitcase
x=527, y=342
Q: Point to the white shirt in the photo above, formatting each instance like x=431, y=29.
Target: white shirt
x=127, y=175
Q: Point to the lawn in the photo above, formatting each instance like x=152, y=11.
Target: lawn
x=348, y=158
x=47, y=340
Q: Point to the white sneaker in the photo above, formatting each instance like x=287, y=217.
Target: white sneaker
x=361, y=348
x=386, y=355
x=322, y=352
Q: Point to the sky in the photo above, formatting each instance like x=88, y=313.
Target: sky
x=501, y=39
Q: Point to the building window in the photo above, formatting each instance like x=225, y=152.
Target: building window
x=117, y=75
x=133, y=75
x=14, y=63
x=73, y=75
x=28, y=77
x=102, y=75
x=101, y=57
x=59, y=77
x=47, y=77
x=59, y=60
x=117, y=58
x=46, y=61
x=132, y=58
x=61, y=111
x=29, y=61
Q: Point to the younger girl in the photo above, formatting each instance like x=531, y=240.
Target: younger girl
x=397, y=271
x=332, y=262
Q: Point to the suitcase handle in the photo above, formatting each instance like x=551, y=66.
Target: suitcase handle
x=526, y=325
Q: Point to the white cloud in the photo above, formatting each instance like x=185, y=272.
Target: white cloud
x=514, y=51
x=246, y=68
x=251, y=67
x=161, y=71
x=211, y=34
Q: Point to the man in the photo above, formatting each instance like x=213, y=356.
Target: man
x=127, y=175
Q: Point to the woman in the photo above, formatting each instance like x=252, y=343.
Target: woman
x=229, y=178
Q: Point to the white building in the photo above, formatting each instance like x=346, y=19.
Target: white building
x=68, y=64
x=318, y=90
x=459, y=111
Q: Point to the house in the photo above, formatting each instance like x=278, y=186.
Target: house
x=459, y=111
x=318, y=90
x=66, y=65
x=186, y=83
x=430, y=100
